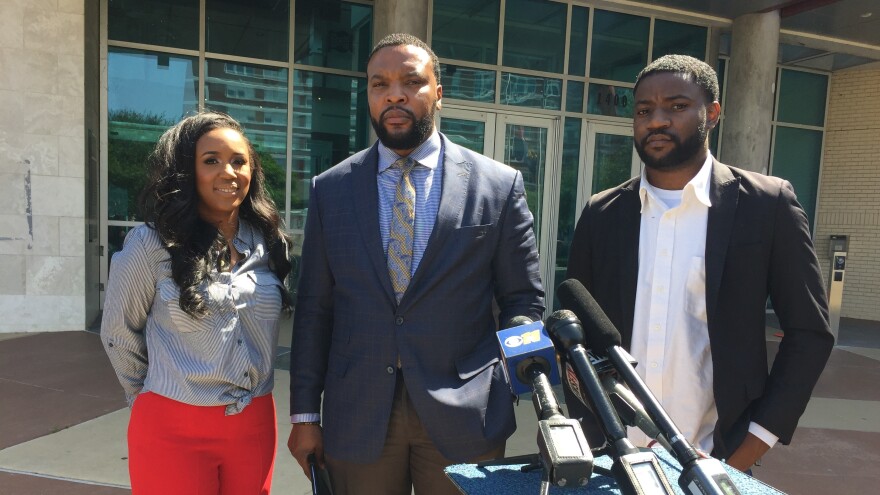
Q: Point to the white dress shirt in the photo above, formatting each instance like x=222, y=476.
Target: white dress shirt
x=670, y=332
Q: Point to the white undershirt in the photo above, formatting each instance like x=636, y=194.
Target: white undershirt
x=670, y=332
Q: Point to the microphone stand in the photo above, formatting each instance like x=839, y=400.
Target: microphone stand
x=564, y=455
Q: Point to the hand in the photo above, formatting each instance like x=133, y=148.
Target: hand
x=306, y=439
x=748, y=453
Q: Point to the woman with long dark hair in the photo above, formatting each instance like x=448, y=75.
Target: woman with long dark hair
x=191, y=315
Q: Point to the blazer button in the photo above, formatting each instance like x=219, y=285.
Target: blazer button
x=399, y=320
x=390, y=370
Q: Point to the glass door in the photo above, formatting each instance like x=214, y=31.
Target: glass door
x=526, y=143
x=610, y=160
x=607, y=158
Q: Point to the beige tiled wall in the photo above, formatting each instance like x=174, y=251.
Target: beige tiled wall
x=849, y=192
x=42, y=170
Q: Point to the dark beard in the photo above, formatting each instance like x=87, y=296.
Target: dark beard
x=681, y=153
x=421, y=130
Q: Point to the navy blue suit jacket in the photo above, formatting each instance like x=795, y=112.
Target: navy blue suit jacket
x=757, y=245
x=349, y=330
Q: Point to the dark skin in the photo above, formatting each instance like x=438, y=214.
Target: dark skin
x=670, y=108
x=398, y=77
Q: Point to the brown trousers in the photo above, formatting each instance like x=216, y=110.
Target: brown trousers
x=409, y=459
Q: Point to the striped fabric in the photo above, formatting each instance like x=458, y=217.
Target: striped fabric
x=427, y=178
x=225, y=358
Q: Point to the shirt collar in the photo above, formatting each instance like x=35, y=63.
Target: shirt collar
x=698, y=186
x=244, y=239
x=426, y=154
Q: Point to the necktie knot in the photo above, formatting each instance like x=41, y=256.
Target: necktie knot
x=405, y=164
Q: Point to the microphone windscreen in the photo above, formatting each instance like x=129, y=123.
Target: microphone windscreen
x=600, y=333
x=517, y=321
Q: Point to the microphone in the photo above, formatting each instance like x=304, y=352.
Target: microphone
x=636, y=472
x=628, y=408
x=523, y=345
x=699, y=476
x=527, y=354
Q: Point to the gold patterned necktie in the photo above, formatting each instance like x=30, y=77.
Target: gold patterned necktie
x=400, y=241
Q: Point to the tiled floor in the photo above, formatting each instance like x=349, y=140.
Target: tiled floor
x=62, y=421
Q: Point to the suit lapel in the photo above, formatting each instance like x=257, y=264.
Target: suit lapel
x=456, y=174
x=366, y=207
x=628, y=227
x=724, y=194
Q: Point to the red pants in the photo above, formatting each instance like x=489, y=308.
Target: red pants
x=175, y=448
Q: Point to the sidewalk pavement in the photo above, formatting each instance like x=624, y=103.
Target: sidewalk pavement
x=63, y=420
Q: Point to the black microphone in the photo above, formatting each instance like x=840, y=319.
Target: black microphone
x=636, y=472
x=699, y=476
x=527, y=354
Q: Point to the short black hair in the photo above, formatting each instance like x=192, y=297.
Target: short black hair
x=701, y=73
x=397, y=39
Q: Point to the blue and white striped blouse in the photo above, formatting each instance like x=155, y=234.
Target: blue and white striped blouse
x=224, y=358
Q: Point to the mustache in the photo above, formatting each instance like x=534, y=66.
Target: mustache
x=660, y=132
x=400, y=109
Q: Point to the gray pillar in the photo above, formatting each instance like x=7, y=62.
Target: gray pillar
x=748, y=107
x=400, y=16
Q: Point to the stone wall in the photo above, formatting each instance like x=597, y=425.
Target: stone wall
x=42, y=276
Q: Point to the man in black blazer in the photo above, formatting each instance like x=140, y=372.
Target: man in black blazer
x=410, y=373
x=683, y=259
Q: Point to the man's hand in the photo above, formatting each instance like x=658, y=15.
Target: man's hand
x=306, y=439
x=748, y=453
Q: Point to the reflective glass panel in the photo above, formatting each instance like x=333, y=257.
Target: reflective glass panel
x=681, y=39
x=115, y=239
x=615, y=101
x=172, y=23
x=534, y=35
x=257, y=29
x=531, y=91
x=713, y=140
x=468, y=133
x=466, y=30
x=333, y=34
x=612, y=161
x=577, y=42
x=721, y=69
x=330, y=123
x=574, y=97
x=256, y=96
x=620, y=46
x=146, y=94
x=796, y=157
x=802, y=97
x=571, y=147
x=465, y=83
x=525, y=149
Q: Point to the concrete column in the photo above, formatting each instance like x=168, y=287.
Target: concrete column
x=400, y=16
x=751, y=82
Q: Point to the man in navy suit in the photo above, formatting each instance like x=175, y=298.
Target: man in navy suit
x=683, y=259
x=409, y=245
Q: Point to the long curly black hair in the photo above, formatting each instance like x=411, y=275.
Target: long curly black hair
x=169, y=204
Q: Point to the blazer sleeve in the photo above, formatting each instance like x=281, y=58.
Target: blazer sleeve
x=798, y=297
x=313, y=316
x=518, y=288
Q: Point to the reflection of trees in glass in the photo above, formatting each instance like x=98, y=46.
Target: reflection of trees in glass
x=613, y=161
x=275, y=178
x=132, y=137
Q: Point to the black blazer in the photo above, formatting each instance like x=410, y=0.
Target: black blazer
x=757, y=245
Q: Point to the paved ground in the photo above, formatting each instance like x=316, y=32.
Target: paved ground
x=63, y=420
